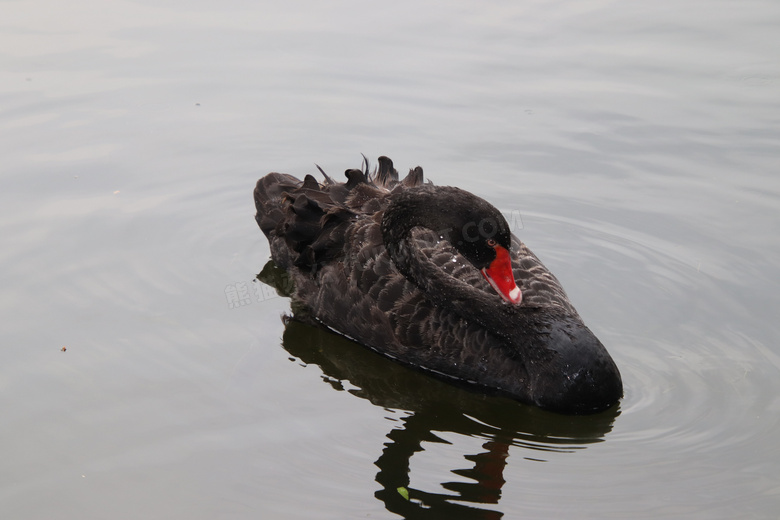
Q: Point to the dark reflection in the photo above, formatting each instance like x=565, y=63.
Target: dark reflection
x=434, y=406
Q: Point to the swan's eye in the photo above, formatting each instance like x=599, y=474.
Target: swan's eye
x=491, y=242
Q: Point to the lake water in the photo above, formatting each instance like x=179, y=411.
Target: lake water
x=147, y=374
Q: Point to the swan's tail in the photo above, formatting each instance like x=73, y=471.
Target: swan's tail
x=306, y=221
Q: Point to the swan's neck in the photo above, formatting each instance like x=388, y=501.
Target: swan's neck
x=443, y=290
x=448, y=213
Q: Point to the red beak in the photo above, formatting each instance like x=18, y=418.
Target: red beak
x=499, y=275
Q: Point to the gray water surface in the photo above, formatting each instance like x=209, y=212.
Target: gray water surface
x=148, y=374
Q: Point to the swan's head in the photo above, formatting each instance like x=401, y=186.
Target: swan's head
x=483, y=237
x=472, y=225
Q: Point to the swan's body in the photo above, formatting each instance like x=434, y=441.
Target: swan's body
x=422, y=274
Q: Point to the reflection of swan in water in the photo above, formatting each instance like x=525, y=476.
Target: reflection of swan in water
x=487, y=474
x=434, y=406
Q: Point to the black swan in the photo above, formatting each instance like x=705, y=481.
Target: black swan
x=432, y=277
